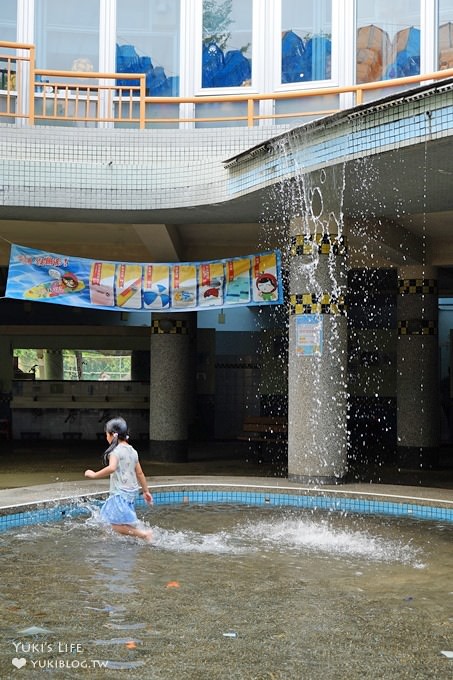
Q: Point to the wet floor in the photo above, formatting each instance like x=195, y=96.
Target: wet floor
x=29, y=463
x=26, y=464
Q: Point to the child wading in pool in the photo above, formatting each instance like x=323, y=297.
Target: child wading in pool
x=126, y=476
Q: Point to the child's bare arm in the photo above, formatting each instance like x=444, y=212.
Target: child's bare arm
x=104, y=472
x=143, y=483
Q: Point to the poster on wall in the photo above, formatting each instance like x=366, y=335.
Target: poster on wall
x=309, y=336
x=41, y=276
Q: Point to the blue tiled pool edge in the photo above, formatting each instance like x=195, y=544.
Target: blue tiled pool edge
x=180, y=494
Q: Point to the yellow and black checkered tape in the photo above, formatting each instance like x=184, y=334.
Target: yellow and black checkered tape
x=307, y=244
x=176, y=328
x=417, y=327
x=310, y=303
x=417, y=286
x=301, y=244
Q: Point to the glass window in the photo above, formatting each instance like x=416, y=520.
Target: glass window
x=147, y=41
x=445, y=34
x=30, y=364
x=67, y=35
x=8, y=20
x=227, y=43
x=388, y=39
x=306, y=40
x=8, y=64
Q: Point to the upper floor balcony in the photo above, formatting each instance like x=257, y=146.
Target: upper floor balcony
x=37, y=96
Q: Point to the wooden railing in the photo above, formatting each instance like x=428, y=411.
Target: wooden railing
x=66, y=97
x=88, y=97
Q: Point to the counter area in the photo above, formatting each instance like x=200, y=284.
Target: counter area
x=63, y=409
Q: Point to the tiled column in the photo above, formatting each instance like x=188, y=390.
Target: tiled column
x=53, y=362
x=317, y=408
x=418, y=407
x=170, y=387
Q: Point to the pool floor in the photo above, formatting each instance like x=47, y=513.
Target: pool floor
x=229, y=592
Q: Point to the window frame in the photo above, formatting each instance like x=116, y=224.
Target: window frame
x=428, y=12
x=335, y=58
x=198, y=89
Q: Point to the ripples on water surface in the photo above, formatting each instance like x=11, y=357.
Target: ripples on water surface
x=229, y=593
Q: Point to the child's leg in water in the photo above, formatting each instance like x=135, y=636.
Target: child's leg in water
x=128, y=530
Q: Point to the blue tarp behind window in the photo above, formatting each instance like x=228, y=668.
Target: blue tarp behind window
x=407, y=61
x=305, y=61
x=293, y=64
x=317, y=58
x=229, y=70
x=212, y=62
x=157, y=83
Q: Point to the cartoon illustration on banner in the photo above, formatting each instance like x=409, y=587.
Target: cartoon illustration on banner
x=183, y=286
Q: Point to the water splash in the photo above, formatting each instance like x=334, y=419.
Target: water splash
x=307, y=535
x=284, y=532
x=221, y=543
x=300, y=534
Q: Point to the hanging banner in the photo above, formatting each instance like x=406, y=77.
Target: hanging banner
x=184, y=286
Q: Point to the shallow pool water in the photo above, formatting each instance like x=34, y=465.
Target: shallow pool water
x=229, y=593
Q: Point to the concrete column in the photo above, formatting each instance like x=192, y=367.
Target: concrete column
x=317, y=394
x=170, y=387
x=53, y=364
x=418, y=403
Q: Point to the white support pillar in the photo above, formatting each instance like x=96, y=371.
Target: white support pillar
x=317, y=389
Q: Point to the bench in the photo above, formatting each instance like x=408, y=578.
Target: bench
x=267, y=436
x=264, y=428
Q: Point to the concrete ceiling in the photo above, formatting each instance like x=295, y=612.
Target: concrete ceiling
x=413, y=189
x=410, y=188
x=140, y=242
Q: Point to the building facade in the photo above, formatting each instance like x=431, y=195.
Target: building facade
x=246, y=132
x=197, y=48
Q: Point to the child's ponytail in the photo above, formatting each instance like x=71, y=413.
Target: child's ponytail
x=118, y=428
